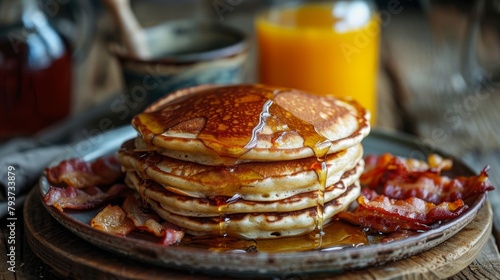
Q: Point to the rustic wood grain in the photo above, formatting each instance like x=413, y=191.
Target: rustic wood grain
x=74, y=258
x=404, y=48
x=447, y=259
x=486, y=266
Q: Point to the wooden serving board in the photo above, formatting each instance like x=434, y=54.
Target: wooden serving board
x=74, y=258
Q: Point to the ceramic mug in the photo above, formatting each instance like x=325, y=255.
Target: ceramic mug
x=184, y=53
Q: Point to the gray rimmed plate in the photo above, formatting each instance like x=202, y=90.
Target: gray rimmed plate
x=256, y=264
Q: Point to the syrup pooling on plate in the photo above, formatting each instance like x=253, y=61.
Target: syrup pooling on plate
x=337, y=235
x=211, y=115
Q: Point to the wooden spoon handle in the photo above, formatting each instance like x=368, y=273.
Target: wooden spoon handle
x=133, y=36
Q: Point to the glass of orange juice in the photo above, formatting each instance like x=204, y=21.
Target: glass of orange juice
x=326, y=48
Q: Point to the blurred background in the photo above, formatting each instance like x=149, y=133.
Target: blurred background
x=438, y=64
x=422, y=46
x=63, y=78
x=87, y=27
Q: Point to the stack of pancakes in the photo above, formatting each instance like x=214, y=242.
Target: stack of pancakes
x=247, y=161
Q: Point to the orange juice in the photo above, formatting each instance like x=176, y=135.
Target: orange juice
x=322, y=48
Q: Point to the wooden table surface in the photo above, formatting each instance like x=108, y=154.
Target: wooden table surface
x=402, y=88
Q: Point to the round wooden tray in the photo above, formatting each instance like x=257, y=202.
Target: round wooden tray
x=75, y=258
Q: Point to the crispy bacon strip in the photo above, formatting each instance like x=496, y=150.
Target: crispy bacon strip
x=132, y=216
x=82, y=174
x=112, y=219
x=143, y=219
x=400, y=178
x=389, y=161
x=389, y=215
x=89, y=198
x=379, y=222
x=402, y=195
x=108, y=168
x=413, y=209
x=172, y=234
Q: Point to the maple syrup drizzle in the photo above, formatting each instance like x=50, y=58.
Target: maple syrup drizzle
x=222, y=204
x=320, y=145
x=228, y=114
x=223, y=218
x=236, y=116
x=320, y=204
x=143, y=185
x=263, y=116
x=280, y=119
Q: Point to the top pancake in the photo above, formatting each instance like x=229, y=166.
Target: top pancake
x=225, y=125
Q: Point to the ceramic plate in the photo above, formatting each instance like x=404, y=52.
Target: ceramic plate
x=253, y=264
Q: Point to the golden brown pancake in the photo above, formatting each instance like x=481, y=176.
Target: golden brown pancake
x=260, y=225
x=224, y=125
x=213, y=207
x=258, y=181
x=249, y=161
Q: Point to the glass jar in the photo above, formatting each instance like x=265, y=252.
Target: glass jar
x=35, y=70
x=324, y=47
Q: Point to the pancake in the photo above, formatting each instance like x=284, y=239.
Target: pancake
x=203, y=207
x=249, y=161
x=260, y=225
x=256, y=181
x=226, y=125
